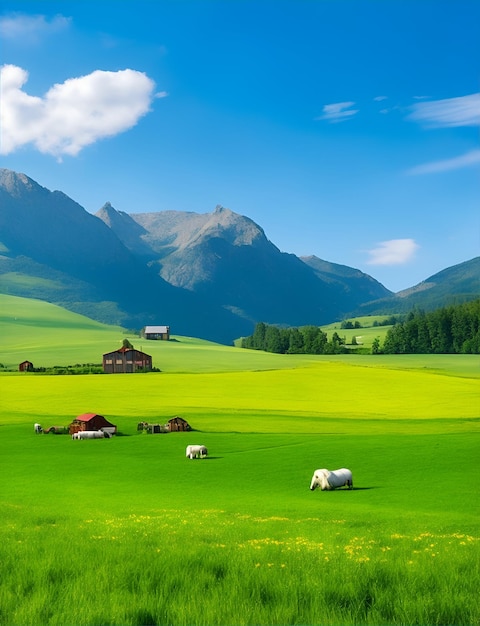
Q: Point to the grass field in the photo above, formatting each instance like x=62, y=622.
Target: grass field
x=128, y=531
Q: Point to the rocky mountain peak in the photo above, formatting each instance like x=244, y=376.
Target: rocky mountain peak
x=237, y=229
x=125, y=227
x=18, y=185
x=107, y=213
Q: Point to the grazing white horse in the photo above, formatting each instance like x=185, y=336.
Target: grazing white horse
x=196, y=452
x=89, y=434
x=331, y=480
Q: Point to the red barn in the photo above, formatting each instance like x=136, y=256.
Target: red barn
x=125, y=361
x=91, y=421
x=25, y=366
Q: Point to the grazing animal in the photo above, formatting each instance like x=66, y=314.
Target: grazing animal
x=328, y=480
x=89, y=434
x=196, y=452
x=37, y=428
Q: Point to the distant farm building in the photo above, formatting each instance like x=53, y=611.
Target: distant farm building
x=25, y=366
x=125, y=361
x=157, y=332
x=178, y=424
x=91, y=421
x=152, y=429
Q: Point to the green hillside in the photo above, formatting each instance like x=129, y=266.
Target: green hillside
x=48, y=335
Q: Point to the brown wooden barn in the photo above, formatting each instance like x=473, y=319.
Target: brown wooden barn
x=91, y=421
x=157, y=332
x=126, y=361
x=178, y=424
x=25, y=366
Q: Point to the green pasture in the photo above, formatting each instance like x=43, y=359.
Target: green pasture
x=364, y=336
x=320, y=397
x=128, y=531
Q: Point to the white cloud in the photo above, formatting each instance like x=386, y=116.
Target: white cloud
x=337, y=112
x=73, y=114
x=393, y=252
x=30, y=28
x=464, y=160
x=451, y=112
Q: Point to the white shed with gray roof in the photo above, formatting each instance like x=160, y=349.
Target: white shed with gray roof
x=157, y=332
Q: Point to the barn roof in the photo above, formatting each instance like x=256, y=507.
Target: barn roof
x=86, y=417
x=123, y=349
x=156, y=329
x=95, y=417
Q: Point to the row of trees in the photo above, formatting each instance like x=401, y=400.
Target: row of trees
x=303, y=340
x=348, y=324
x=449, y=330
x=391, y=320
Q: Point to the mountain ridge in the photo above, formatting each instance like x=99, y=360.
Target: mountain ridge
x=452, y=285
x=228, y=258
x=211, y=275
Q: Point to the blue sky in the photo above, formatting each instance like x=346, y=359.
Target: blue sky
x=347, y=129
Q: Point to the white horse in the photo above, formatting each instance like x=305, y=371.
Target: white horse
x=331, y=480
x=89, y=434
x=196, y=452
x=37, y=428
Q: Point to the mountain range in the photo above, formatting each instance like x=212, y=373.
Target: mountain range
x=212, y=275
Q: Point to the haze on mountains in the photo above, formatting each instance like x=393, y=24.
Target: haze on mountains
x=212, y=275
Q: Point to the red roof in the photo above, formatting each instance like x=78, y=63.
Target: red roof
x=86, y=417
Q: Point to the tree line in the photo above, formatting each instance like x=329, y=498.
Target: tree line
x=449, y=330
x=303, y=340
x=391, y=320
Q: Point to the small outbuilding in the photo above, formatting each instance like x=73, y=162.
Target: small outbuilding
x=126, y=360
x=25, y=366
x=152, y=429
x=157, y=332
x=178, y=424
x=91, y=421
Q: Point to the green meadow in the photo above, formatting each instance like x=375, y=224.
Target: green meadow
x=128, y=531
